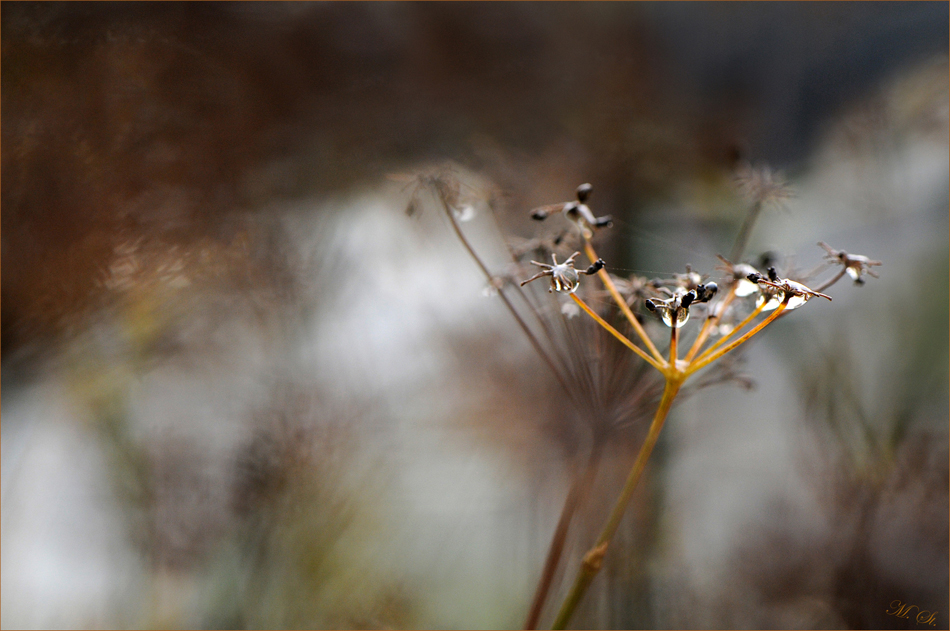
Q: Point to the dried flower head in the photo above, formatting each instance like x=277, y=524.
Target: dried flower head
x=685, y=282
x=577, y=212
x=794, y=292
x=740, y=273
x=634, y=289
x=689, y=280
x=762, y=185
x=564, y=278
x=854, y=264
x=674, y=311
x=442, y=181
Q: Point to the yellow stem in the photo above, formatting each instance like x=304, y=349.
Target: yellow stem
x=709, y=323
x=708, y=359
x=594, y=557
x=617, y=334
x=725, y=338
x=674, y=336
x=609, y=284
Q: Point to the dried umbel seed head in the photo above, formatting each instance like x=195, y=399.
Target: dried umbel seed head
x=633, y=289
x=583, y=192
x=595, y=267
x=674, y=311
x=769, y=297
x=689, y=280
x=684, y=291
x=670, y=311
x=762, y=185
x=577, y=212
x=854, y=264
x=740, y=275
x=581, y=216
x=779, y=290
x=564, y=278
x=444, y=183
x=603, y=222
x=705, y=293
x=679, y=282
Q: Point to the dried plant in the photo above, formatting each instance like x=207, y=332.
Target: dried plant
x=723, y=314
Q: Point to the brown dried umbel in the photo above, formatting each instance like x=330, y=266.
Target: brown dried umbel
x=672, y=301
x=774, y=294
x=564, y=278
x=577, y=212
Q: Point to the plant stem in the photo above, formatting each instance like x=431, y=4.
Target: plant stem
x=831, y=281
x=674, y=337
x=594, y=558
x=578, y=491
x=708, y=359
x=609, y=284
x=708, y=324
x=617, y=334
x=725, y=338
x=745, y=231
x=488, y=275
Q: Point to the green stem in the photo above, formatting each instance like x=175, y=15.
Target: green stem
x=594, y=558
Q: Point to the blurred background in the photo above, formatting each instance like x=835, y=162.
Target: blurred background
x=244, y=388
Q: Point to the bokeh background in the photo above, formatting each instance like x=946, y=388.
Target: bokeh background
x=243, y=389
